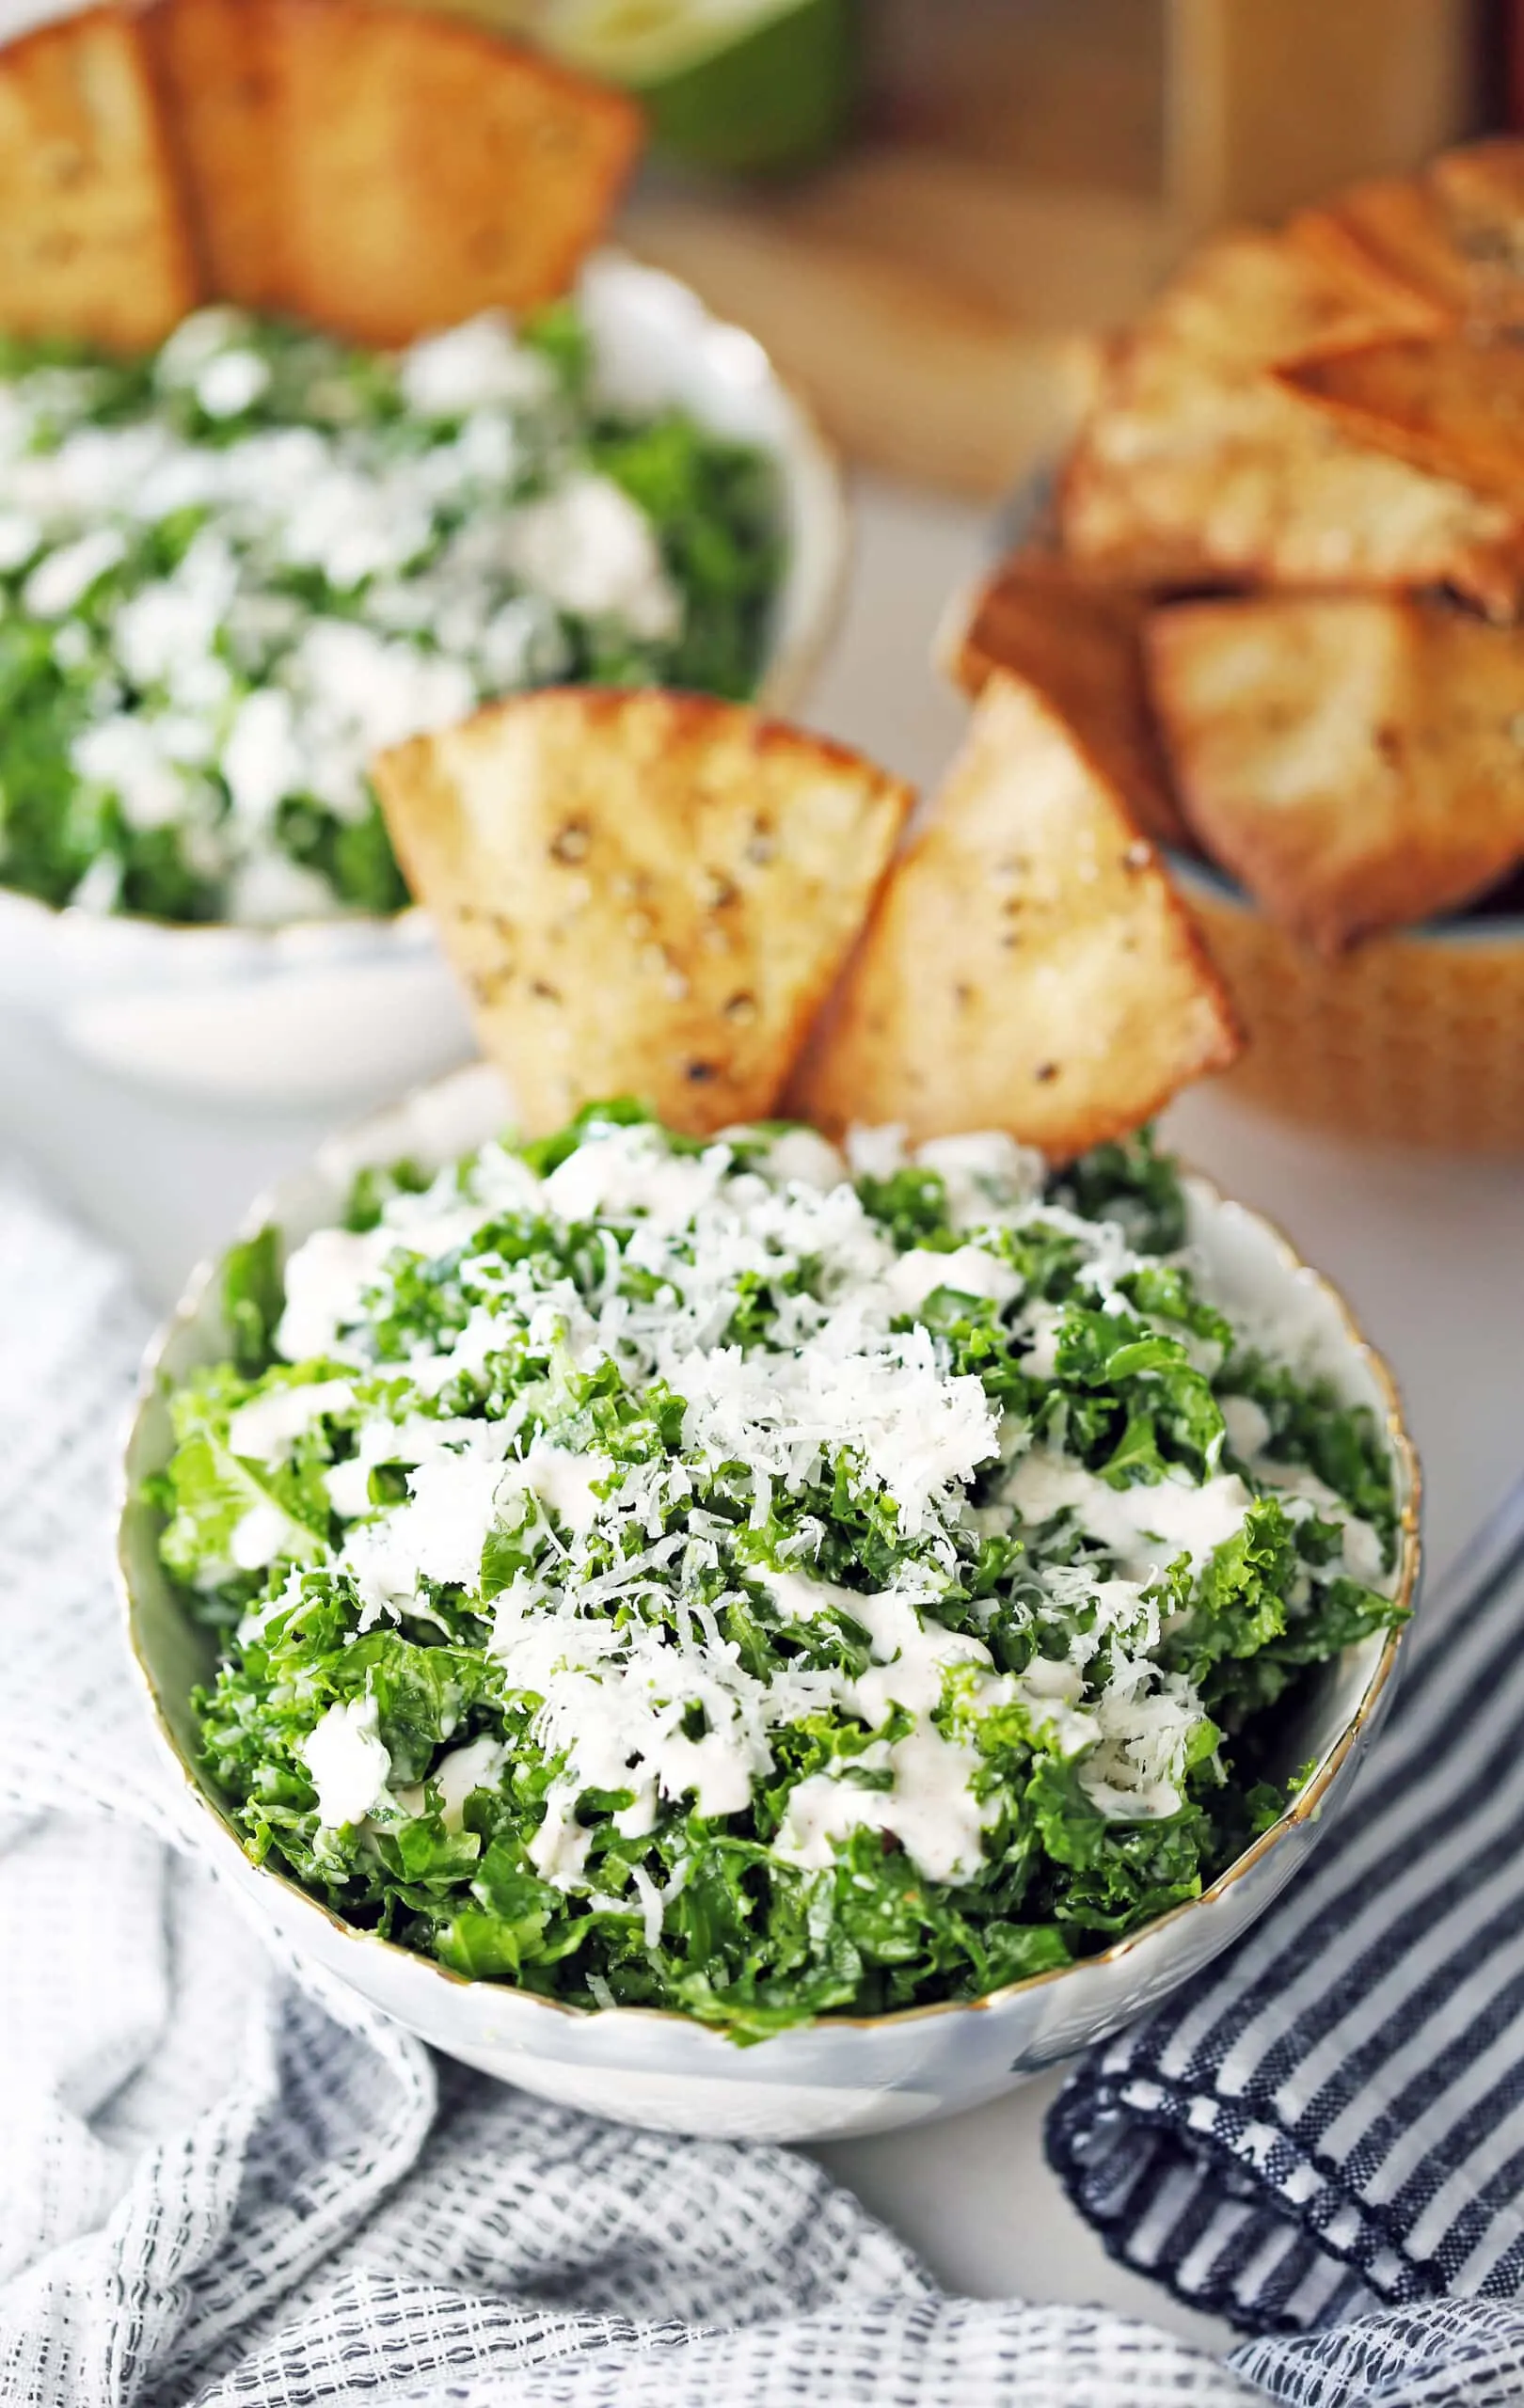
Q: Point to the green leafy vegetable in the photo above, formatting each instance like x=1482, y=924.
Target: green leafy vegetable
x=253, y=1297
x=662, y=1587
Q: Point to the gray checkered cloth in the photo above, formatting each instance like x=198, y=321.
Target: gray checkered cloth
x=224, y=2180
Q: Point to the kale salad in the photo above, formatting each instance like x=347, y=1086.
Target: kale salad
x=233, y=571
x=735, y=1577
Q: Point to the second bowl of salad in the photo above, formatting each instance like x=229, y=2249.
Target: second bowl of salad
x=236, y=568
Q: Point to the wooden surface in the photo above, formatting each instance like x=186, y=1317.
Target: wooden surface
x=1033, y=170
x=909, y=371
x=1271, y=102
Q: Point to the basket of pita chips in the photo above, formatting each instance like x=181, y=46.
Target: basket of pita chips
x=322, y=419
x=1279, y=587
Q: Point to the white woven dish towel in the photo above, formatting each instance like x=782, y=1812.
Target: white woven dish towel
x=222, y=2183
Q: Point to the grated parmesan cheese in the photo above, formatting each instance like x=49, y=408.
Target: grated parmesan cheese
x=614, y=1634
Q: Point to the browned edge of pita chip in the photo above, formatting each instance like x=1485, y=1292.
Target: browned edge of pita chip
x=1385, y=239
x=1028, y=966
x=1353, y=760
x=92, y=236
x=215, y=64
x=1450, y=404
x=1078, y=642
x=429, y=169
x=645, y=892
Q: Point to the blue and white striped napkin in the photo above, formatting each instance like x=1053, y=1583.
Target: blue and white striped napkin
x=1330, y=2122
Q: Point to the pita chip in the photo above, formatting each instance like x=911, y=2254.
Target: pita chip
x=646, y=894
x=1357, y=761
x=215, y=62
x=1451, y=404
x=429, y=169
x=1451, y=239
x=1078, y=642
x=1028, y=967
x=1199, y=468
x=1391, y=231
x=91, y=242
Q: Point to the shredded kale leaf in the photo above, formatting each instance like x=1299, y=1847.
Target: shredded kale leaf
x=699, y=1912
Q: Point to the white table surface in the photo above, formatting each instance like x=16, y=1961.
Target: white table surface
x=1429, y=1250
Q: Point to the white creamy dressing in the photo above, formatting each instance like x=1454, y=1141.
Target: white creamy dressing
x=263, y=1432
x=477, y=1766
x=1040, y=1358
x=260, y=1537
x=1248, y=1425
x=231, y=382
x=348, y=1762
x=64, y=577
x=910, y=1656
x=327, y=691
x=984, y=1172
x=967, y=1271
x=325, y=1281
x=614, y=1700
x=931, y=1810
x=632, y=1704
x=1144, y=1527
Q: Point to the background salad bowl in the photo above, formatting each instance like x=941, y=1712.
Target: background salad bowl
x=230, y=1012
x=837, y=2075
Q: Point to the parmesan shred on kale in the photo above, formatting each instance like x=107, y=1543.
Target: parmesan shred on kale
x=233, y=571
x=728, y=1578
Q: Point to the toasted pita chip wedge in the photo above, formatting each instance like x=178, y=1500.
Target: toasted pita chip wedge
x=646, y=894
x=216, y=65
x=1078, y=642
x=1199, y=468
x=1027, y=967
x=1384, y=239
x=1451, y=239
x=1448, y=403
x=1357, y=761
x=91, y=244
x=1393, y=231
x=429, y=169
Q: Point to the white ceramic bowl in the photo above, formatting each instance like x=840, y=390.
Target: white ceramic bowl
x=229, y=1013
x=657, y=2068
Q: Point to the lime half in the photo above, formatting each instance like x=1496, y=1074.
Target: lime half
x=737, y=85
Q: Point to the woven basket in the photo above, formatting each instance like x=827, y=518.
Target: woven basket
x=1416, y=1038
